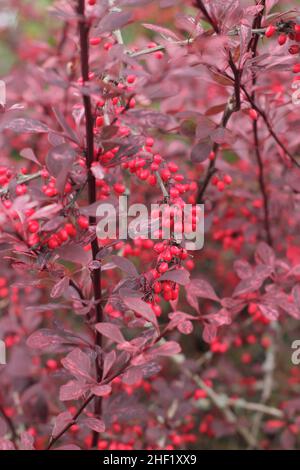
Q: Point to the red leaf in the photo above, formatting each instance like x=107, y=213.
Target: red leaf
x=165, y=32
x=101, y=390
x=111, y=331
x=125, y=265
x=209, y=333
x=44, y=339
x=29, y=126
x=60, y=287
x=72, y=390
x=61, y=421
x=142, y=308
x=200, y=152
x=180, y=276
x=170, y=348
x=112, y=21
x=78, y=363
x=94, y=423
x=201, y=288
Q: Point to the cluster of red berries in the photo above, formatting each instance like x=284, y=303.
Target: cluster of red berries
x=221, y=183
x=67, y=231
x=287, y=31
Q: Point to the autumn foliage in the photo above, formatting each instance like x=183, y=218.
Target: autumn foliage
x=144, y=344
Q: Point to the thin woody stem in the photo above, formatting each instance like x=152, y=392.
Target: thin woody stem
x=96, y=273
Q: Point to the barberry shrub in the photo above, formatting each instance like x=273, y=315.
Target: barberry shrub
x=141, y=343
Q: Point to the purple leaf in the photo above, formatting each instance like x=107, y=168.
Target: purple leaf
x=101, y=390
x=247, y=285
x=62, y=420
x=180, y=276
x=112, y=21
x=72, y=390
x=29, y=155
x=111, y=331
x=265, y=254
x=140, y=307
x=170, y=348
x=94, y=423
x=200, y=152
x=125, y=265
x=29, y=126
x=269, y=311
x=78, y=363
x=201, y=288
x=60, y=287
x=44, y=339
x=108, y=362
x=59, y=163
x=165, y=32
x=27, y=441
x=243, y=269
x=209, y=333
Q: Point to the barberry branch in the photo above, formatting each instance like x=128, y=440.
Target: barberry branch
x=96, y=273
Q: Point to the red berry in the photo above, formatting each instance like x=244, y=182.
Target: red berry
x=119, y=188
x=253, y=114
x=131, y=78
x=294, y=49
x=33, y=226
x=174, y=193
x=282, y=39
x=221, y=186
x=270, y=31
x=52, y=243
x=296, y=68
x=149, y=142
x=227, y=179
x=99, y=121
x=70, y=229
x=163, y=267
x=297, y=28
x=83, y=222
x=95, y=41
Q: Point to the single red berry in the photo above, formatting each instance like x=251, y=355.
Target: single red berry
x=297, y=28
x=163, y=267
x=296, y=68
x=221, y=186
x=52, y=243
x=149, y=142
x=99, y=121
x=282, y=39
x=131, y=78
x=253, y=114
x=95, y=41
x=227, y=179
x=294, y=49
x=33, y=226
x=119, y=188
x=83, y=222
x=271, y=29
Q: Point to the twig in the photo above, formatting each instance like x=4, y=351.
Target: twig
x=221, y=403
x=269, y=127
x=21, y=180
x=262, y=184
x=269, y=367
x=96, y=273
